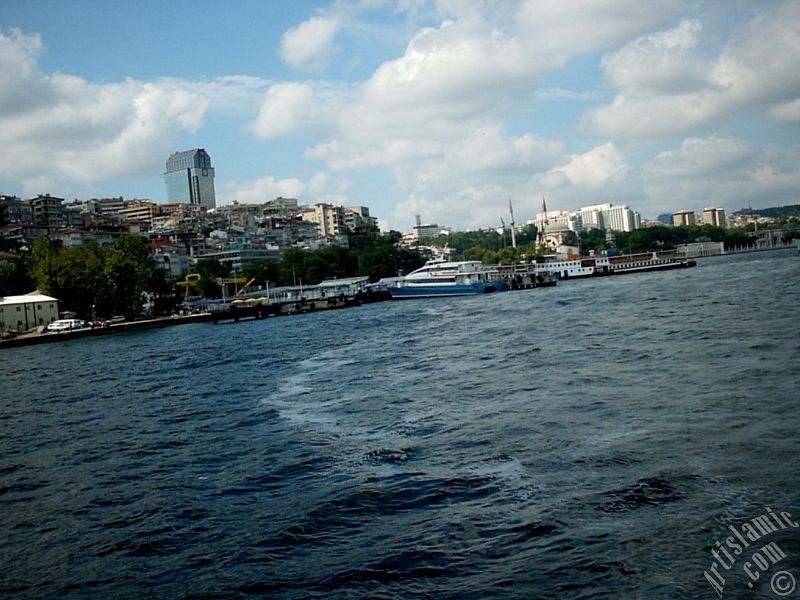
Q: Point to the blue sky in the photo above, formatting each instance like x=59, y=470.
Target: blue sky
x=443, y=108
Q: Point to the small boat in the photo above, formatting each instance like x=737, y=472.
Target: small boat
x=439, y=277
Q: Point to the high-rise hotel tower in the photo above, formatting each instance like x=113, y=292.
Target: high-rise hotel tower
x=190, y=178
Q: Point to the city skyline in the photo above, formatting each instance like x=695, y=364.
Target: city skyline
x=440, y=109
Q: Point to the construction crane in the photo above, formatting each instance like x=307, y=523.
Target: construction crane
x=245, y=286
x=190, y=281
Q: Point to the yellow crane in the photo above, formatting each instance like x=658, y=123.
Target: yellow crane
x=245, y=286
x=190, y=281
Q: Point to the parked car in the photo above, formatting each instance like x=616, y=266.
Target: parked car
x=66, y=325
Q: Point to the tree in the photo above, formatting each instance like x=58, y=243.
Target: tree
x=100, y=282
x=593, y=240
x=485, y=255
x=15, y=278
x=43, y=264
x=211, y=269
x=130, y=271
x=527, y=235
x=262, y=271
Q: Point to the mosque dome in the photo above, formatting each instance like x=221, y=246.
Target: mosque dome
x=556, y=228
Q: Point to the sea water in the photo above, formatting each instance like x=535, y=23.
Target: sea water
x=595, y=439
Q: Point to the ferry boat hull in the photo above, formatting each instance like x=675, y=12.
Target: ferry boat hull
x=441, y=291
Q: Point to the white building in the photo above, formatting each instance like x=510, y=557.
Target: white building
x=593, y=217
x=356, y=216
x=619, y=218
x=562, y=217
x=26, y=312
x=597, y=216
x=613, y=217
x=328, y=218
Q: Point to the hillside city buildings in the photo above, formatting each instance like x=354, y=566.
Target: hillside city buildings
x=189, y=226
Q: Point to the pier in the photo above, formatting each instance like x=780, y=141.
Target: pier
x=330, y=295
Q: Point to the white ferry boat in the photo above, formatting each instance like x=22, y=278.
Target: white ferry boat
x=439, y=277
x=572, y=267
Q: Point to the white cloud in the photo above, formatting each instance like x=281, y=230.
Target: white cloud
x=665, y=85
x=562, y=94
x=661, y=61
x=478, y=67
x=722, y=170
x=321, y=187
x=286, y=107
x=435, y=114
x=471, y=178
x=702, y=157
x=788, y=112
x=72, y=130
x=239, y=95
x=24, y=86
x=599, y=166
x=570, y=28
x=310, y=44
x=260, y=190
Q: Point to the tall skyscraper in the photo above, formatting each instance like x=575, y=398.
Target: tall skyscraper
x=190, y=178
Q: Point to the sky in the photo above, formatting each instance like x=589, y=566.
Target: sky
x=442, y=108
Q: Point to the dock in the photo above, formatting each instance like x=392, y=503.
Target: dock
x=31, y=339
x=330, y=295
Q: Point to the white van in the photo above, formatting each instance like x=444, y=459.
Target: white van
x=66, y=325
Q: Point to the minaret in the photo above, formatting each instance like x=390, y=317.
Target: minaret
x=544, y=222
x=513, y=235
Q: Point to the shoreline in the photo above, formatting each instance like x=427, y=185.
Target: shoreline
x=235, y=315
x=32, y=339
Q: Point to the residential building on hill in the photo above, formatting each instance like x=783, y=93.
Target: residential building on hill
x=48, y=211
x=328, y=218
x=714, y=216
x=683, y=218
x=14, y=210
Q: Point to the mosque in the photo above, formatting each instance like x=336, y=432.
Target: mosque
x=558, y=238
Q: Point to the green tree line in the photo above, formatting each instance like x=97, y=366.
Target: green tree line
x=369, y=253
x=648, y=239
x=491, y=248
x=101, y=282
x=90, y=280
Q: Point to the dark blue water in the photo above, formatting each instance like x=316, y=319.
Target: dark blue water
x=590, y=440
